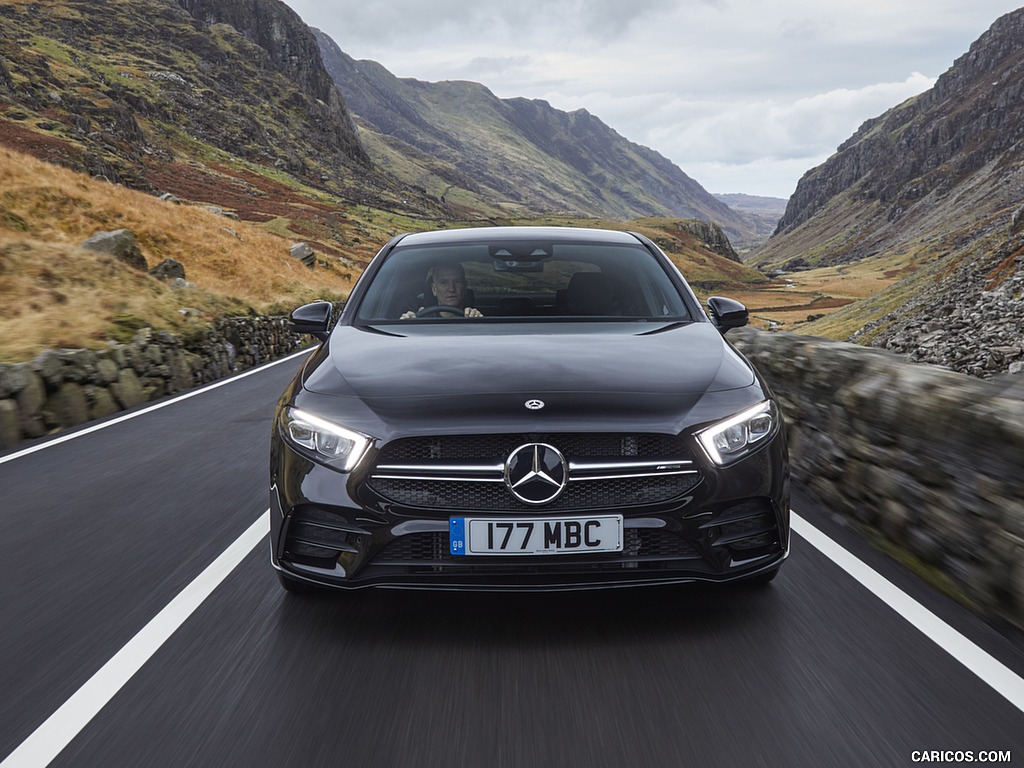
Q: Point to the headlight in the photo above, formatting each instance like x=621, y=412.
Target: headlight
x=330, y=443
x=729, y=440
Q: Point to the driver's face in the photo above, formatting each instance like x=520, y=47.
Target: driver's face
x=449, y=287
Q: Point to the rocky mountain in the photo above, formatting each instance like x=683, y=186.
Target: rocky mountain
x=939, y=181
x=292, y=50
x=229, y=102
x=203, y=99
x=458, y=141
x=946, y=158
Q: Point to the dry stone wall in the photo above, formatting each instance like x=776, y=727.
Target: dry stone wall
x=931, y=459
x=66, y=387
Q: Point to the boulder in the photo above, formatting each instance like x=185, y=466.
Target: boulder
x=120, y=244
x=101, y=402
x=10, y=424
x=128, y=390
x=303, y=252
x=168, y=269
x=67, y=406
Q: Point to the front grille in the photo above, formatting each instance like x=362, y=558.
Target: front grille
x=497, y=447
x=467, y=473
x=593, y=494
x=649, y=546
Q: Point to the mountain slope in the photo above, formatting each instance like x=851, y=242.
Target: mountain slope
x=944, y=160
x=144, y=93
x=460, y=142
x=939, y=182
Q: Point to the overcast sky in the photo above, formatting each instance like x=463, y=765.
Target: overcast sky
x=743, y=95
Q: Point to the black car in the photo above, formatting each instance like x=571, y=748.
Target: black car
x=525, y=408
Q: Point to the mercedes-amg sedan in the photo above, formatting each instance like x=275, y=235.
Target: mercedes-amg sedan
x=524, y=408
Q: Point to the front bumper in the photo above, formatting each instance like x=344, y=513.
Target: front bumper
x=330, y=529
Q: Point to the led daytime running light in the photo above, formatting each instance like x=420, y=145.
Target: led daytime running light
x=732, y=438
x=333, y=444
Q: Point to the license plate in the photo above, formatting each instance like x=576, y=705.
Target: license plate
x=535, y=535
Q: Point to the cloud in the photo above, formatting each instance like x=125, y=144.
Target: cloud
x=392, y=21
x=803, y=128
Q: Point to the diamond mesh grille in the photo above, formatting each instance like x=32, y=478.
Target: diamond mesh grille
x=589, y=494
x=494, y=449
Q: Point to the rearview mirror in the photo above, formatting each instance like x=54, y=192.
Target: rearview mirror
x=727, y=313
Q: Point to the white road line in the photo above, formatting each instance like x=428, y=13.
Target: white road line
x=984, y=665
x=50, y=738
x=63, y=725
x=150, y=409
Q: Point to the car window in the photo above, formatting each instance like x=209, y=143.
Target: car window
x=520, y=281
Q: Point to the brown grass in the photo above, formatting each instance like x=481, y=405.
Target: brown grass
x=787, y=303
x=54, y=293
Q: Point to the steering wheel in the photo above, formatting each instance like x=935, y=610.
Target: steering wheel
x=437, y=309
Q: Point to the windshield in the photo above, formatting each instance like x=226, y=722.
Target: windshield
x=521, y=280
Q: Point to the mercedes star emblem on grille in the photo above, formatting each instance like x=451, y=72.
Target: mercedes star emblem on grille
x=534, y=405
x=536, y=473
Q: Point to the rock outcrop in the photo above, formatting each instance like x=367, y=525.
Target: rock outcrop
x=942, y=162
x=293, y=51
x=121, y=244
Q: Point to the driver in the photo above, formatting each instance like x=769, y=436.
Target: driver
x=448, y=286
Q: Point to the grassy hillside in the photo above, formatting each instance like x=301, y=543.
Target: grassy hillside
x=53, y=293
x=104, y=106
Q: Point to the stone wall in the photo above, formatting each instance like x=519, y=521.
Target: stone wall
x=931, y=460
x=66, y=387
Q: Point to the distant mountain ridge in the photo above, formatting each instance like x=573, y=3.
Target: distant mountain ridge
x=458, y=140
x=761, y=213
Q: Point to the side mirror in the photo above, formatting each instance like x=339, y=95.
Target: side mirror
x=313, y=319
x=726, y=313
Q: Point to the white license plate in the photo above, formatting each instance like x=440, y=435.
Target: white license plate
x=535, y=535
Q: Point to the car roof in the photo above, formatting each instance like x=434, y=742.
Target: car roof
x=485, y=234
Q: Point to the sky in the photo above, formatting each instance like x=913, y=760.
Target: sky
x=743, y=95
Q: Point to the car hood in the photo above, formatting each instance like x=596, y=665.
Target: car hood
x=441, y=377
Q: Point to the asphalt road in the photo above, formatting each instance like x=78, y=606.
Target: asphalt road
x=101, y=532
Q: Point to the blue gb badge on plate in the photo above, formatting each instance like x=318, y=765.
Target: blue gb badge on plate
x=457, y=535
